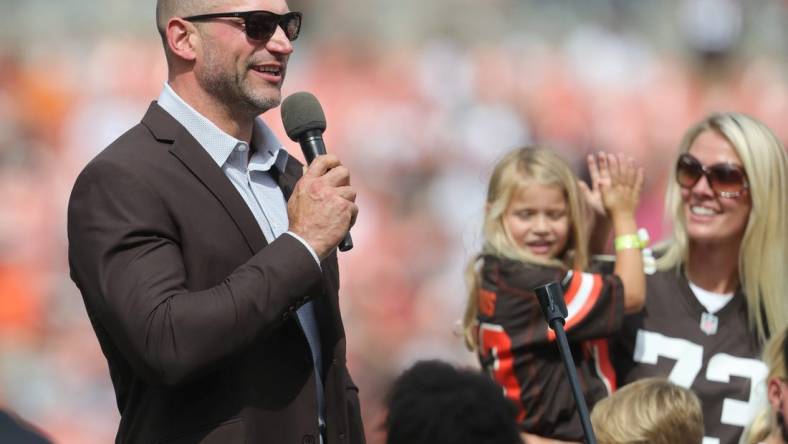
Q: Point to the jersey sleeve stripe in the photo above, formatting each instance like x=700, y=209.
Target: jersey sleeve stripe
x=582, y=294
x=575, y=283
x=586, y=294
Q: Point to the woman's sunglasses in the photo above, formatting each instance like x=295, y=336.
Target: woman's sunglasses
x=259, y=25
x=726, y=179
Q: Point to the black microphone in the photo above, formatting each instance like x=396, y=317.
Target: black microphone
x=551, y=298
x=304, y=123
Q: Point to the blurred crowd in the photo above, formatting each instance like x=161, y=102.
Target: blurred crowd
x=419, y=117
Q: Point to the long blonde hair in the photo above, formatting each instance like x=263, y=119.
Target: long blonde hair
x=650, y=410
x=764, y=247
x=519, y=168
x=774, y=357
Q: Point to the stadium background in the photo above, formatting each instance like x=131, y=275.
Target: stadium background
x=421, y=98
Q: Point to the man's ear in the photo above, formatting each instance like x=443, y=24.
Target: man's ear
x=775, y=393
x=181, y=38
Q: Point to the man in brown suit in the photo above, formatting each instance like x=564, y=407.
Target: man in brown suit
x=206, y=261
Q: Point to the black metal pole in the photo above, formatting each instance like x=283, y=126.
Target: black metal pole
x=551, y=298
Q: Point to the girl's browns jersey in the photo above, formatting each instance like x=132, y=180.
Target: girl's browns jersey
x=715, y=356
x=519, y=350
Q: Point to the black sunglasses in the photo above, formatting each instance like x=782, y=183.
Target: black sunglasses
x=259, y=25
x=726, y=179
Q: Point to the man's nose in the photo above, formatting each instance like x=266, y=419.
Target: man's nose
x=279, y=42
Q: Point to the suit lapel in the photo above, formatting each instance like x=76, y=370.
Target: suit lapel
x=166, y=129
x=287, y=179
x=198, y=162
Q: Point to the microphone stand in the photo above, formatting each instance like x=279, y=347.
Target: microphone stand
x=551, y=298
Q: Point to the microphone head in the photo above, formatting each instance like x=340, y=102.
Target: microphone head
x=551, y=298
x=302, y=112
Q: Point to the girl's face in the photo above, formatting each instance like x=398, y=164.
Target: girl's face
x=710, y=218
x=537, y=218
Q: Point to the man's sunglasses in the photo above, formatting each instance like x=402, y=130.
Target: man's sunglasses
x=726, y=179
x=259, y=25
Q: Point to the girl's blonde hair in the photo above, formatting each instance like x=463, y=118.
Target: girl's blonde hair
x=520, y=168
x=774, y=357
x=764, y=247
x=650, y=410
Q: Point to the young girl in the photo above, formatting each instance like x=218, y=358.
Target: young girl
x=535, y=231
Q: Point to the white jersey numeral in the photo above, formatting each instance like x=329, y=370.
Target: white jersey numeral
x=720, y=369
x=689, y=361
x=688, y=355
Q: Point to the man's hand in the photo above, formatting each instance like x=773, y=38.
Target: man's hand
x=322, y=207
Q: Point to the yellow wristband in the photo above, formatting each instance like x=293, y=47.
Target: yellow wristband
x=628, y=241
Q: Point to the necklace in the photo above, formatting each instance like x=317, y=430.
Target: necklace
x=709, y=323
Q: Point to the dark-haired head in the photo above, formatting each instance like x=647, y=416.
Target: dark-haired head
x=433, y=402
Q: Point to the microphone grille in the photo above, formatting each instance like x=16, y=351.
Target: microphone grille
x=302, y=112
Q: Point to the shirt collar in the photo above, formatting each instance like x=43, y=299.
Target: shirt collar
x=219, y=144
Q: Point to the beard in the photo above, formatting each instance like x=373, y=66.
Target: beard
x=230, y=88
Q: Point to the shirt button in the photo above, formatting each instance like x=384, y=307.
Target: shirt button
x=241, y=147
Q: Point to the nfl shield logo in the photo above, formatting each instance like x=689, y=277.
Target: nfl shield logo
x=709, y=323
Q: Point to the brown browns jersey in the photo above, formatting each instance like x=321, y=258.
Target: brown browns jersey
x=716, y=356
x=519, y=350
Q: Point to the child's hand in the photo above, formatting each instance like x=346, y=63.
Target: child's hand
x=620, y=183
x=593, y=195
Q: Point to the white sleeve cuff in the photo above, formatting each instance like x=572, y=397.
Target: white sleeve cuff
x=308, y=247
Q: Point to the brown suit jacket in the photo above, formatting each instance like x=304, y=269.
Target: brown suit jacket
x=193, y=309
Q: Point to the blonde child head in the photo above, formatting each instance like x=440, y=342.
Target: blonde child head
x=516, y=173
x=651, y=410
x=521, y=168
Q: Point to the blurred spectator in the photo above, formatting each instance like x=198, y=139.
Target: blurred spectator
x=435, y=403
x=769, y=427
x=652, y=410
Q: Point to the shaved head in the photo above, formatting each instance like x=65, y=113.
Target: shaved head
x=167, y=9
x=217, y=67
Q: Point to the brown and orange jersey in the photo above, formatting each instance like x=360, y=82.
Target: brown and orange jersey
x=518, y=348
x=717, y=356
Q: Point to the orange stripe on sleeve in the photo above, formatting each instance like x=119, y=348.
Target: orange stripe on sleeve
x=574, y=286
x=581, y=296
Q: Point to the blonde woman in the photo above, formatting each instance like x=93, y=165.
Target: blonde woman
x=535, y=232
x=652, y=410
x=721, y=286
